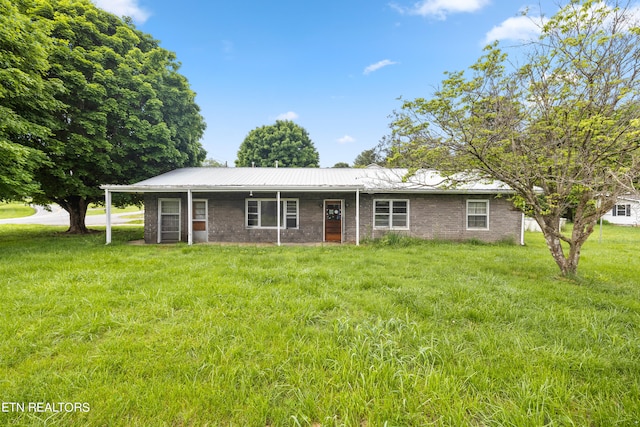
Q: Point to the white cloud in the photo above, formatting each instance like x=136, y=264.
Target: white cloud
x=289, y=115
x=374, y=67
x=518, y=28
x=346, y=139
x=441, y=8
x=124, y=8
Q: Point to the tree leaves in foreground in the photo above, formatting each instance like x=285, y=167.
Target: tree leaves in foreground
x=562, y=130
x=128, y=114
x=26, y=97
x=285, y=142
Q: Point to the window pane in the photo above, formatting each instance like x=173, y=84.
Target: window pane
x=382, y=207
x=382, y=221
x=170, y=223
x=170, y=206
x=268, y=213
x=291, y=207
x=477, y=208
x=477, y=221
x=199, y=210
x=252, y=213
x=290, y=214
x=399, y=220
x=399, y=207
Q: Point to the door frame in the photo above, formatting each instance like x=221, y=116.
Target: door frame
x=324, y=218
x=206, y=219
x=161, y=201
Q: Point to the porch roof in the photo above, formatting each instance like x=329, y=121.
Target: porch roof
x=371, y=180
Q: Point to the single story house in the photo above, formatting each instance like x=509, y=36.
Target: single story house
x=301, y=205
x=625, y=212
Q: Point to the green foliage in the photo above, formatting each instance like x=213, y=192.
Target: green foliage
x=368, y=157
x=124, y=113
x=428, y=334
x=341, y=165
x=561, y=130
x=285, y=142
x=26, y=97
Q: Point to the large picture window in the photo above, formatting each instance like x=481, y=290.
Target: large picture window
x=477, y=214
x=391, y=214
x=263, y=213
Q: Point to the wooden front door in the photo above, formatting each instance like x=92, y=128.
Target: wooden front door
x=333, y=221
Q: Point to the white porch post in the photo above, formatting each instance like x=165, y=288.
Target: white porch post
x=107, y=203
x=278, y=215
x=357, y=217
x=189, y=216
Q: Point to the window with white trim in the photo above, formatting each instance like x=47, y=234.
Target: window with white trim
x=391, y=214
x=477, y=214
x=263, y=213
x=621, y=210
x=168, y=220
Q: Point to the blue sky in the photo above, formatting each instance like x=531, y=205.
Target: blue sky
x=335, y=67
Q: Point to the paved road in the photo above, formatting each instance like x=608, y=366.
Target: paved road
x=58, y=216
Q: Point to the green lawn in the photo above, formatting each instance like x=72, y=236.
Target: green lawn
x=100, y=210
x=378, y=335
x=15, y=210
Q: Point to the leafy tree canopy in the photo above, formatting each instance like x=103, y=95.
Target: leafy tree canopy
x=368, y=157
x=26, y=97
x=285, y=142
x=126, y=114
x=562, y=130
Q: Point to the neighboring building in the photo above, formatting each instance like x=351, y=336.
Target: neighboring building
x=301, y=205
x=625, y=212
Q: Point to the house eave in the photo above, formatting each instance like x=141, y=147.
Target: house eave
x=299, y=189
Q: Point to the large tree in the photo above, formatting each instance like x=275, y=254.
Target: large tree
x=127, y=113
x=284, y=142
x=368, y=157
x=562, y=129
x=26, y=98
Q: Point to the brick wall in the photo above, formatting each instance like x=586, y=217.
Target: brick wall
x=430, y=216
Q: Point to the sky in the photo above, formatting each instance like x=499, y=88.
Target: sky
x=338, y=68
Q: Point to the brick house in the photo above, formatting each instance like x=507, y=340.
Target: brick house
x=302, y=205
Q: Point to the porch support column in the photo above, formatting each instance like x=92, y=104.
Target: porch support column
x=357, y=217
x=278, y=215
x=107, y=204
x=189, y=216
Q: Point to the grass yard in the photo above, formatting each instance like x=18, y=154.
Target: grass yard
x=15, y=210
x=101, y=210
x=410, y=334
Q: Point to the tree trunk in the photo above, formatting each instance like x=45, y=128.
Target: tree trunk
x=551, y=229
x=567, y=266
x=77, y=208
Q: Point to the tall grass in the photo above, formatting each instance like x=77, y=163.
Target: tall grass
x=419, y=333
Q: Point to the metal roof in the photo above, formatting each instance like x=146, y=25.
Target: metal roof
x=372, y=179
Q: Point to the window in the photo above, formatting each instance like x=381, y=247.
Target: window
x=263, y=213
x=391, y=214
x=169, y=220
x=478, y=214
x=621, y=210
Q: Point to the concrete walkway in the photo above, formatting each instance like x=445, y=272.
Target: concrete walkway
x=58, y=216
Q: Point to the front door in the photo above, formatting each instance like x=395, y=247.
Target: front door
x=333, y=221
x=199, y=221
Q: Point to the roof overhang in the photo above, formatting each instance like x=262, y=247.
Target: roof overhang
x=297, y=189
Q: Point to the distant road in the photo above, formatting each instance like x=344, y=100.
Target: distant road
x=58, y=216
